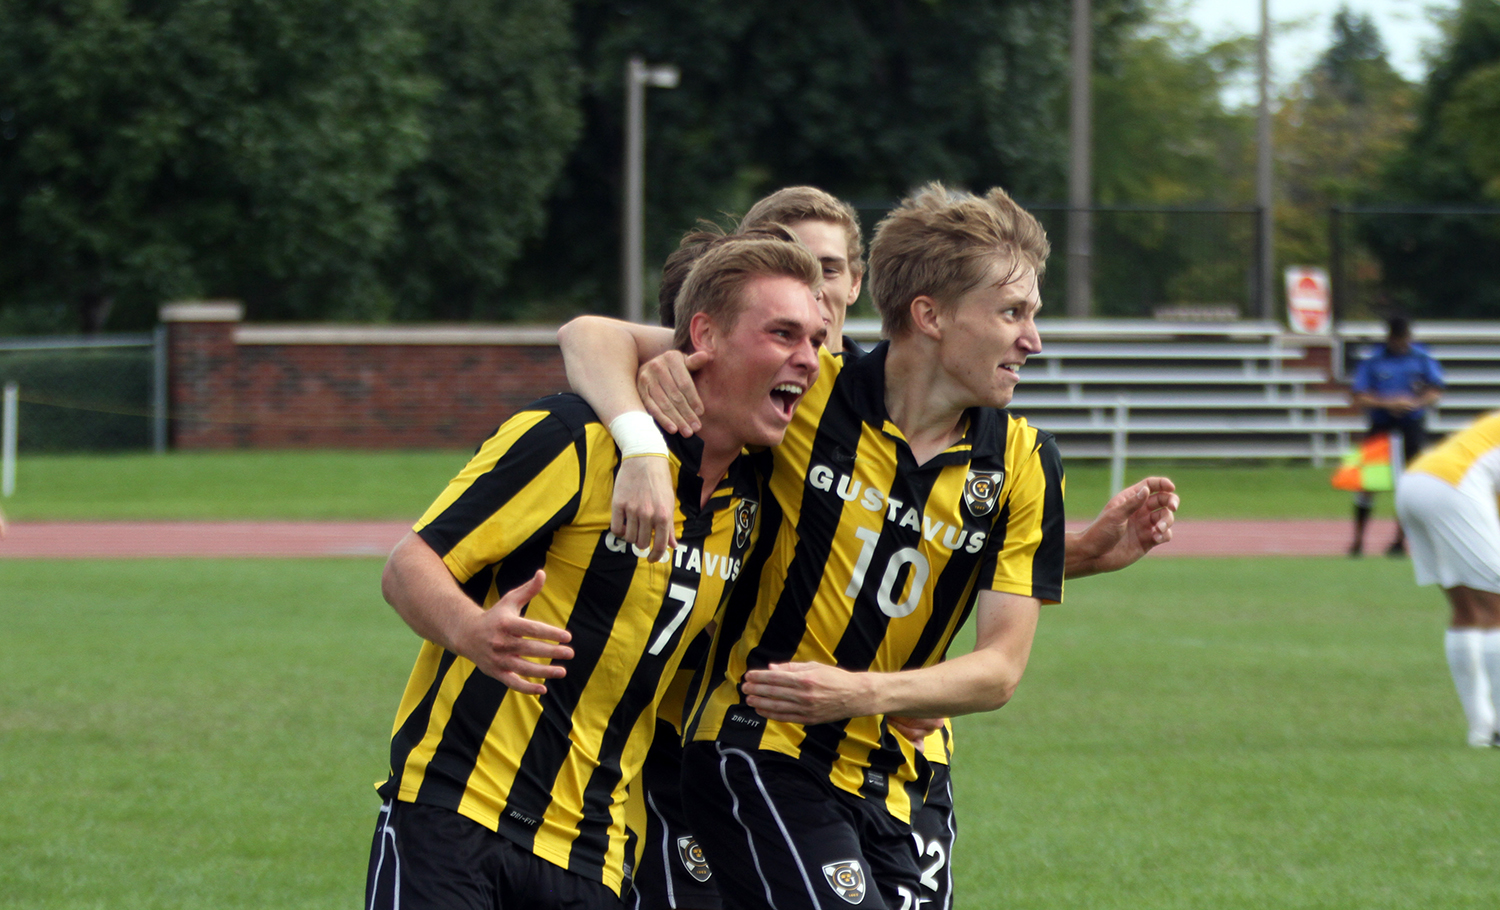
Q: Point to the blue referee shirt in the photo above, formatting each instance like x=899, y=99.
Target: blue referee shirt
x=1384, y=373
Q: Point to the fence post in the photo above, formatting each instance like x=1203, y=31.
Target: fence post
x=159, y=389
x=8, y=439
x=1117, y=448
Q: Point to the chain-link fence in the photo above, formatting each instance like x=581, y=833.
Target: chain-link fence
x=1180, y=263
x=1173, y=262
x=1428, y=262
x=87, y=394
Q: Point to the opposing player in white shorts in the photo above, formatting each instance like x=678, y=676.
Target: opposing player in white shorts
x=1447, y=502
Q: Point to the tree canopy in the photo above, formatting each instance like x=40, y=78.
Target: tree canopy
x=313, y=158
x=865, y=100
x=1437, y=264
x=163, y=150
x=461, y=159
x=1337, y=128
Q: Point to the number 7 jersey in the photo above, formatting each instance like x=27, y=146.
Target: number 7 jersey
x=551, y=772
x=868, y=561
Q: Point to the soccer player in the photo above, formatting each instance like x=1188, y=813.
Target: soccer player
x=1446, y=501
x=549, y=639
x=901, y=502
x=673, y=873
x=1395, y=386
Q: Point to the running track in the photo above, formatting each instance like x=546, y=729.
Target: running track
x=113, y=539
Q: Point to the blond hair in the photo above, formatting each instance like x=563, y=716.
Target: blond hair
x=943, y=243
x=716, y=282
x=808, y=203
x=694, y=244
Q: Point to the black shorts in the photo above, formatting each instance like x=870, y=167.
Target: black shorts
x=934, y=829
x=426, y=858
x=1413, y=435
x=673, y=873
x=778, y=835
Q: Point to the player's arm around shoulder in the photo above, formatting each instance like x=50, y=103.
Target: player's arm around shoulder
x=601, y=357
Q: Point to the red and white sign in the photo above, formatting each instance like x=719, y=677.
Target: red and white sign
x=1307, y=304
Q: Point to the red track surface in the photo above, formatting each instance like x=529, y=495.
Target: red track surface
x=112, y=539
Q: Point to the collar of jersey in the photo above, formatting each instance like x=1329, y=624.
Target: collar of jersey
x=688, y=450
x=863, y=378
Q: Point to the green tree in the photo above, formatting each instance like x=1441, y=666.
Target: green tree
x=1162, y=132
x=501, y=124
x=1443, y=265
x=1335, y=132
x=1163, y=137
x=863, y=99
x=247, y=148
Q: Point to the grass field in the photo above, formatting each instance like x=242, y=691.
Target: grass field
x=321, y=484
x=1193, y=733
x=225, y=485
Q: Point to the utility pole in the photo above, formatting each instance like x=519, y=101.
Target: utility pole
x=1081, y=165
x=1266, y=283
x=637, y=77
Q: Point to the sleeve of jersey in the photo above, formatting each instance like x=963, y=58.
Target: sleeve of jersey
x=523, y=482
x=1435, y=372
x=1027, y=550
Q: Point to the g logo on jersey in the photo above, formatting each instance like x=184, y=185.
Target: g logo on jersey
x=744, y=520
x=847, y=878
x=693, y=859
x=982, y=491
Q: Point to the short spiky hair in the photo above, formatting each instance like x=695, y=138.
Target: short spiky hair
x=694, y=244
x=717, y=280
x=942, y=243
x=808, y=203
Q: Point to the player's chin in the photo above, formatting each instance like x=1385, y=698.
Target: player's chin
x=770, y=430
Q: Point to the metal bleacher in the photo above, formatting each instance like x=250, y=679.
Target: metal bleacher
x=1129, y=389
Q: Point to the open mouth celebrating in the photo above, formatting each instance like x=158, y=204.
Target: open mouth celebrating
x=786, y=395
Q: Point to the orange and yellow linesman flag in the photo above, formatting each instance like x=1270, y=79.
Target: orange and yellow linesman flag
x=1372, y=466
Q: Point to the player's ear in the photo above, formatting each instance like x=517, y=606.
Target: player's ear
x=925, y=317
x=704, y=332
x=859, y=278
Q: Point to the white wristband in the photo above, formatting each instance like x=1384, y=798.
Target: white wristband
x=637, y=434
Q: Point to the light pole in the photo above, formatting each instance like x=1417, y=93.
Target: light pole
x=637, y=77
x=1265, y=285
x=1080, y=165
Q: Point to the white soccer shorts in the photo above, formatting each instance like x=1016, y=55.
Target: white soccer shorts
x=1453, y=535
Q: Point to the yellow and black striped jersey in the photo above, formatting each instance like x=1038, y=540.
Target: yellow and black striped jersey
x=937, y=748
x=1456, y=458
x=551, y=772
x=869, y=561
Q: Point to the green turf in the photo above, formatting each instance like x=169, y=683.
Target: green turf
x=1231, y=734
x=1224, y=490
x=192, y=734
x=225, y=485
x=356, y=485
x=1193, y=733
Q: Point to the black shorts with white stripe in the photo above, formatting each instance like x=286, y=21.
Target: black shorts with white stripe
x=428, y=858
x=673, y=874
x=934, y=827
x=778, y=835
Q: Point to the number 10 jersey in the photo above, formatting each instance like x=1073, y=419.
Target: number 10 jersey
x=868, y=561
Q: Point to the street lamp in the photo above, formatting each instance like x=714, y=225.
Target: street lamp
x=1264, y=195
x=637, y=77
x=1080, y=164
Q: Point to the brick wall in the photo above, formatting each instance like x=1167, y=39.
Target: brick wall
x=250, y=386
